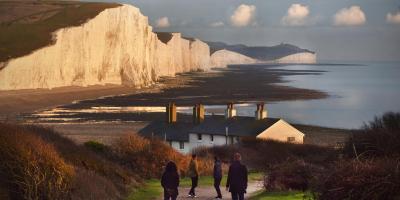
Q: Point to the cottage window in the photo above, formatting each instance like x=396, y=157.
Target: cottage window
x=181, y=145
x=199, y=137
x=291, y=139
x=212, y=138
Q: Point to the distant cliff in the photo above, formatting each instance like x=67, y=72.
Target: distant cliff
x=115, y=47
x=223, y=58
x=283, y=53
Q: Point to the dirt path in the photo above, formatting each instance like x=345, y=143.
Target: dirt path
x=208, y=192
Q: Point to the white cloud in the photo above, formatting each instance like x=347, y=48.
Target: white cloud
x=217, y=24
x=352, y=16
x=163, y=22
x=297, y=15
x=243, y=15
x=393, y=18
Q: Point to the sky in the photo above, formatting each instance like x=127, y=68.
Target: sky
x=338, y=30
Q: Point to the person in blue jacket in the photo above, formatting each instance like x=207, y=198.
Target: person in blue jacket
x=217, y=174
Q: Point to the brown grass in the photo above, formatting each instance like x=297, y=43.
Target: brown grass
x=33, y=166
x=148, y=157
x=375, y=179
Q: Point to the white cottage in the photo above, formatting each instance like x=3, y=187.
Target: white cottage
x=220, y=130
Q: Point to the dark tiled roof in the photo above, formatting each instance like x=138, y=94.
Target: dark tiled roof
x=177, y=132
x=237, y=126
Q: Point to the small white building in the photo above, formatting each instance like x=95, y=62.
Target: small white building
x=219, y=130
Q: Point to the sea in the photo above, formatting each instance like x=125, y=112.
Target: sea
x=358, y=92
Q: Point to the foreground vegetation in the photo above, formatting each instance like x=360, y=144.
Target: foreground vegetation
x=288, y=195
x=25, y=34
x=37, y=163
x=367, y=167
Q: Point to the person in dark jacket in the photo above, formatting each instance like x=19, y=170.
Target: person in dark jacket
x=170, y=181
x=193, y=173
x=217, y=174
x=237, y=178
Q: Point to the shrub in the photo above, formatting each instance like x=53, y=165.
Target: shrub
x=89, y=185
x=149, y=157
x=290, y=175
x=101, y=163
x=380, y=137
x=96, y=146
x=374, y=179
x=32, y=166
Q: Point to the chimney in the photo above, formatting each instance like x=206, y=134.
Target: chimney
x=230, y=111
x=260, y=112
x=198, y=113
x=171, y=113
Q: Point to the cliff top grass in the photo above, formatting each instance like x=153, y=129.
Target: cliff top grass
x=28, y=25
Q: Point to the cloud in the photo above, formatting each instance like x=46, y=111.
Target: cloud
x=297, y=15
x=393, y=18
x=163, y=22
x=217, y=24
x=243, y=15
x=352, y=16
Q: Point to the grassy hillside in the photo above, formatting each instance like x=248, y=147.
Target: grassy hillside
x=28, y=25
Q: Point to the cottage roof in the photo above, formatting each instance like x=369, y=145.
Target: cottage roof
x=215, y=125
x=237, y=126
x=178, y=131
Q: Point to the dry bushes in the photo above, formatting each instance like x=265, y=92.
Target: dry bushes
x=148, y=157
x=32, y=167
x=372, y=167
x=291, y=175
x=74, y=171
x=381, y=137
x=369, y=179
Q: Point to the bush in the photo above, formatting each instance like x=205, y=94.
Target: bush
x=375, y=179
x=149, y=157
x=96, y=146
x=291, y=175
x=89, y=185
x=32, y=166
x=381, y=137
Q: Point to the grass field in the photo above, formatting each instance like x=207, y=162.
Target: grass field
x=21, y=36
x=287, y=195
x=152, y=188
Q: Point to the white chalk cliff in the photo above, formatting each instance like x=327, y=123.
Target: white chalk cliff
x=223, y=58
x=116, y=47
x=298, y=58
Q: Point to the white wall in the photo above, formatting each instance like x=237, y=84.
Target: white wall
x=280, y=131
x=175, y=145
x=205, y=142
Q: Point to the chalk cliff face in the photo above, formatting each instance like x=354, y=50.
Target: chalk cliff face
x=222, y=58
x=306, y=58
x=116, y=47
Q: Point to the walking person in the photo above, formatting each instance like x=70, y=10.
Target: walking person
x=217, y=174
x=170, y=181
x=193, y=173
x=237, y=178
